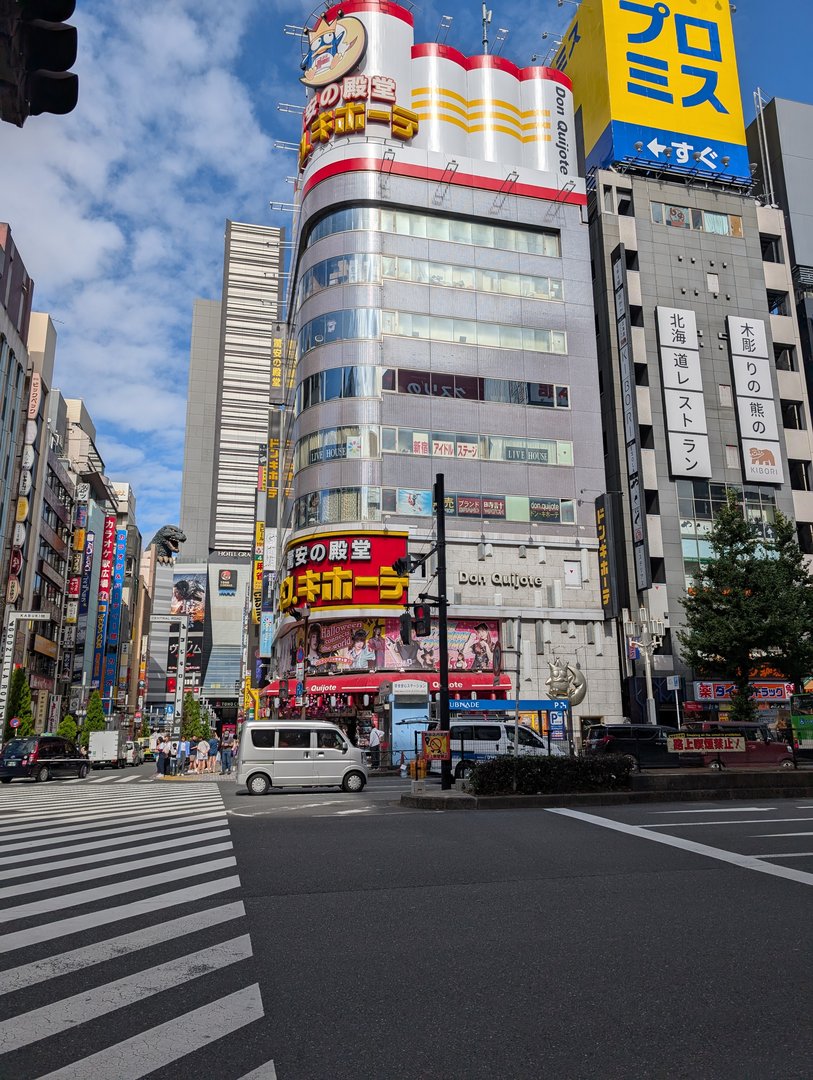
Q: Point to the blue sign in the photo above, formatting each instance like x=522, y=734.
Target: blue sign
x=556, y=723
x=169, y=710
x=489, y=705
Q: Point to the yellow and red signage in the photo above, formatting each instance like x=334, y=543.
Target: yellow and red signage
x=335, y=571
x=436, y=746
x=705, y=744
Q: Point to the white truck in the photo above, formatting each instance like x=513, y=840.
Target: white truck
x=107, y=748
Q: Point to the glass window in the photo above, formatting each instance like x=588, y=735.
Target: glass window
x=437, y=228
x=657, y=213
x=715, y=223
x=294, y=738
x=333, y=384
x=262, y=737
x=462, y=731
x=330, y=740
x=491, y=732
x=460, y=232
x=510, y=337
x=389, y=438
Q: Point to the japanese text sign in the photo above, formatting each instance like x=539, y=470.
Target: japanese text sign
x=108, y=555
x=756, y=409
x=762, y=691
x=436, y=745
x=714, y=744
x=608, y=581
x=344, y=570
x=656, y=81
x=686, y=425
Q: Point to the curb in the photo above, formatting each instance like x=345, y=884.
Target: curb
x=605, y=798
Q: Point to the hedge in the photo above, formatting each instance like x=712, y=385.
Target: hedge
x=550, y=775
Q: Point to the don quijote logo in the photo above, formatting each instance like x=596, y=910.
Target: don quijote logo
x=334, y=50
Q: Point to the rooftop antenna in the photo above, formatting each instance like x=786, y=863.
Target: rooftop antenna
x=767, y=175
x=443, y=29
x=499, y=41
x=486, y=24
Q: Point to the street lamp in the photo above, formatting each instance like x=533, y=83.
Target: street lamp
x=302, y=615
x=646, y=634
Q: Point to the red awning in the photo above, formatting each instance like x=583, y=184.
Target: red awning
x=460, y=682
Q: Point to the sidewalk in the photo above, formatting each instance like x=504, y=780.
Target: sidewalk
x=198, y=778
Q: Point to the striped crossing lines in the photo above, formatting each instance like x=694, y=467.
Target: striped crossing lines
x=124, y=947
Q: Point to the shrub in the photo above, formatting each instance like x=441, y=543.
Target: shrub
x=67, y=728
x=550, y=775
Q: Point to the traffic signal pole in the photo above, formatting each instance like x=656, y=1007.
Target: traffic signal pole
x=446, y=781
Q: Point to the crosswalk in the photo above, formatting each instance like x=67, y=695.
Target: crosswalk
x=124, y=947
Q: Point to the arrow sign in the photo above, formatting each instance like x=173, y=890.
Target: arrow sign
x=656, y=147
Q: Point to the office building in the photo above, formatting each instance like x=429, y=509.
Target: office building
x=701, y=387
x=441, y=322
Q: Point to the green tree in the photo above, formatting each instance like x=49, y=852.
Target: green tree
x=94, y=721
x=145, y=729
x=751, y=607
x=67, y=728
x=19, y=705
x=192, y=725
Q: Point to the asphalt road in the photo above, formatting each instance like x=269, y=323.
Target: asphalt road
x=384, y=943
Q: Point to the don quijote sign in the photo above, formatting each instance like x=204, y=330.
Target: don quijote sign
x=501, y=581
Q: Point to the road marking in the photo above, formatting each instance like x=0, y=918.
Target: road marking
x=68, y=835
x=782, y=833
x=57, y=903
x=788, y=855
x=690, y=824
x=360, y=810
x=149, y=1051
x=725, y=810
x=146, y=832
x=59, y=1016
x=265, y=1072
x=118, y=853
x=48, y=931
x=126, y=779
x=122, y=867
x=52, y=967
x=745, y=862
x=44, y=821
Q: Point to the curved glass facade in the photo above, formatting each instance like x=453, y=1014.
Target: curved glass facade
x=354, y=324
x=371, y=269
x=367, y=381
x=435, y=227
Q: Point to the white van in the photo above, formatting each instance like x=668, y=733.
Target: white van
x=297, y=753
x=480, y=739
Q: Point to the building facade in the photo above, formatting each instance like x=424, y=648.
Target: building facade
x=441, y=322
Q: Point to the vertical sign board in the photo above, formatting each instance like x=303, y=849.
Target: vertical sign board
x=114, y=614
x=756, y=406
x=105, y=583
x=623, y=327
x=684, y=407
x=608, y=579
x=83, y=607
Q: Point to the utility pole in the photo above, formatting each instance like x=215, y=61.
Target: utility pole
x=446, y=780
x=646, y=634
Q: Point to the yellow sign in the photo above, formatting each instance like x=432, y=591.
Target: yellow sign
x=436, y=746
x=657, y=82
x=247, y=694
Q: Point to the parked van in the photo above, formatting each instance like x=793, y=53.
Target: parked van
x=297, y=753
x=644, y=744
x=473, y=741
x=764, y=747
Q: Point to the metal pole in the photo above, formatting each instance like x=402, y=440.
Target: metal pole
x=647, y=648
x=518, y=625
x=677, y=709
x=303, y=713
x=446, y=780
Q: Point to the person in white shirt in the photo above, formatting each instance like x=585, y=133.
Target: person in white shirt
x=376, y=738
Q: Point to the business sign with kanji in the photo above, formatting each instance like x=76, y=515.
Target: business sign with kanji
x=337, y=571
x=608, y=580
x=436, y=745
x=706, y=744
x=761, y=691
x=656, y=83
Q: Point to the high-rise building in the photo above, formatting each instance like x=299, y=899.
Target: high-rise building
x=701, y=388
x=441, y=322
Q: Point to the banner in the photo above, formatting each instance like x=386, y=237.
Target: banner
x=345, y=570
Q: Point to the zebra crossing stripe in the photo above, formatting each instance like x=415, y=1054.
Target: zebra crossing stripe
x=265, y=1072
x=63, y=880
x=21, y=939
x=87, y=1005
x=37, y=971
x=85, y=859
x=138, y=1057
x=102, y=815
x=70, y=833
x=145, y=833
x=126, y=779
x=89, y=896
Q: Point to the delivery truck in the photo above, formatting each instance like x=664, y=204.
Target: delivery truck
x=107, y=748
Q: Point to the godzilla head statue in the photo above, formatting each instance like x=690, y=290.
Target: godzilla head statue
x=167, y=543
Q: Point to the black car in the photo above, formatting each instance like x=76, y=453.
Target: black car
x=41, y=757
x=645, y=744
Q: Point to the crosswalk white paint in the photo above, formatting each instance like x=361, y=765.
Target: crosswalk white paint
x=103, y=896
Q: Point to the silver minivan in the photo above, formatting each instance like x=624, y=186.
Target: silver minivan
x=297, y=753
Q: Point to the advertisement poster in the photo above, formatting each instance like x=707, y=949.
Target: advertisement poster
x=375, y=645
x=189, y=598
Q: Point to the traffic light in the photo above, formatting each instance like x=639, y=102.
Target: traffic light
x=422, y=616
x=37, y=50
x=405, y=625
x=402, y=567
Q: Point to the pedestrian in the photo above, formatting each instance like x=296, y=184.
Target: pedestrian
x=173, y=757
x=227, y=749
x=160, y=757
x=214, y=746
x=202, y=750
x=376, y=738
x=183, y=756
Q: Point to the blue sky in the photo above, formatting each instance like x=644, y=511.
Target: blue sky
x=118, y=209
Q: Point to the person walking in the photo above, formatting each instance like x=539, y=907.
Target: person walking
x=160, y=757
x=376, y=738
